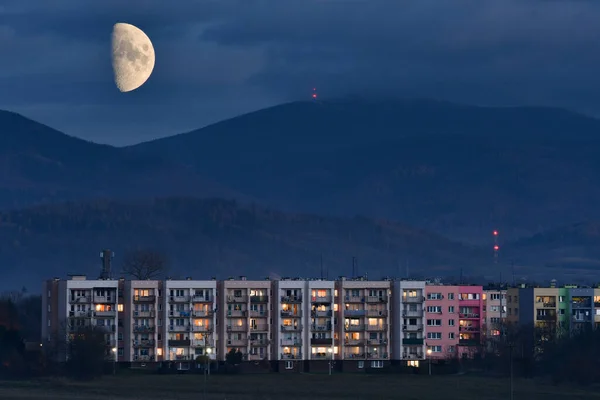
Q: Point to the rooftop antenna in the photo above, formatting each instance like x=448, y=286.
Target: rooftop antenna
x=321, y=265
x=496, y=246
x=314, y=94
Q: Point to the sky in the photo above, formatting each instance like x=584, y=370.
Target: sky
x=218, y=59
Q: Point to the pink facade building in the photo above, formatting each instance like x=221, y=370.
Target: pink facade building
x=453, y=320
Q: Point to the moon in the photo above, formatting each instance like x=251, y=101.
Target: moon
x=132, y=56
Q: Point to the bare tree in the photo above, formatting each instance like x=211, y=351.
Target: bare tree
x=144, y=264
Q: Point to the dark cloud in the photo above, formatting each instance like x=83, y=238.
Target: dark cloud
x=219, y=58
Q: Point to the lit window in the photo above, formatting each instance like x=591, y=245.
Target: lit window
x=120, y=307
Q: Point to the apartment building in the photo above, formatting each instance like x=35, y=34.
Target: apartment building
x=76, y=303
x=441, y=321
x=290, y=321
x=597, y=308
x=321, y=325
x=408, y=322
x=141, y=321
x=245, y=319
x=190, y=321
x=494, y=315
x=471, y=320
x=364, y=308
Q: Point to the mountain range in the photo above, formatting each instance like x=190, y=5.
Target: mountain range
x=457, y=170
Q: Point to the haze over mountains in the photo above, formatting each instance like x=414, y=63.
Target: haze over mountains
x=457, y=170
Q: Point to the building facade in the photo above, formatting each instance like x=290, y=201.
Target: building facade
x=408, y=322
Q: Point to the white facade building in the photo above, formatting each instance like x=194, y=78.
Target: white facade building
x=408, y=322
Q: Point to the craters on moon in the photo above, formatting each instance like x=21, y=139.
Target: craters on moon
x=132, y=57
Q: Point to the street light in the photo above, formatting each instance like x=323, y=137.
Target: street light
x=429, y=358
x=208, y=351
x=114, y=351
x=330, y=351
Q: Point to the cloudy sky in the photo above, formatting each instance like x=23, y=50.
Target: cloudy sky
x=217, y=59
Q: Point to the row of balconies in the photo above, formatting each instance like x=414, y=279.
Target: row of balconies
x=244, y=328
x=368, y=313
x=190, y=342
x=370, y=356
x=366, y=299
x=414, y=313
x=291, y=299
x=193, y=299
x=363, y=342
x=370, y=328
x=192, y=313
x=468, y=315
x=321, y=299
x=316, y=314
x=245, y=313
x=469, y=329
x=292, y=314
x=91, y=313
x=413, y=299
x=244, y=299
x=190, y=328
x=143, y=343
x=93, y=299
x=412, y=328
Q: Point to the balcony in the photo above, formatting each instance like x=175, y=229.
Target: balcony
x=377, y=328
x=412, y=328
x=182, y=313
x=291, y=314
x=259, y=327
x=354, y=299
x=377, y=313
x=144, y=328
x=180, y=328
x=354, y=328
x=320, y=327
x=259, y=299
x=415, y=314
x=354, y=313
x=80, y=314
x=317, y=314
x=291, y=328
x=377, y=299
x=202, y=299
x=143, y=314
x=202, y=342
x=143, y=343
x=237, y=299
x=587, y=303
x=201, y=328
x=413, y=342
x=81, y=299
x=469, y=342
x=259, y=342
x=413, y=356
x=256, y=357
x=259, y=314
x=469, y=316
x=354, y=342
x=290, y=356
x=144, y=299
x=350, y=356
x=143, y=358
x=469, y=303
x=291, y=299
x=202, y=313
x=546, y=317
x=237, y=328
x=179, y=299
x=321, y=299
x=107, y=328
x=104, y=299
x=469, y=329
x=413, y=299
x=237, y=313
x=377, y=356
x=290, y=342
x=179, y=343
x=321, y=341
x=377, y=342
x=546, y=304
x=237, y=342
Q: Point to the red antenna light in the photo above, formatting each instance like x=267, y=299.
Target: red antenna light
x=314, y=95
x=495, y=233
x=496, y=247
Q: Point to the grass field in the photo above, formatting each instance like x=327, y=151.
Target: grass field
x=290, y=387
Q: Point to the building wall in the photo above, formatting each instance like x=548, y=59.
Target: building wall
x=441, y=303
x=597, y=307
x=408, y=321
x=494, y=311
x=363, y=321
x=581, y=308
x=291, y=317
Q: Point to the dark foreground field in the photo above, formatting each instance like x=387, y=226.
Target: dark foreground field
x=290, y=387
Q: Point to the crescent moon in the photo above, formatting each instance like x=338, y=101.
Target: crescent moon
x=132, y=56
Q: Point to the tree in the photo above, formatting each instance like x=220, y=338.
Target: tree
x=144, y=264
x=87, y=352
x=234, y=357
